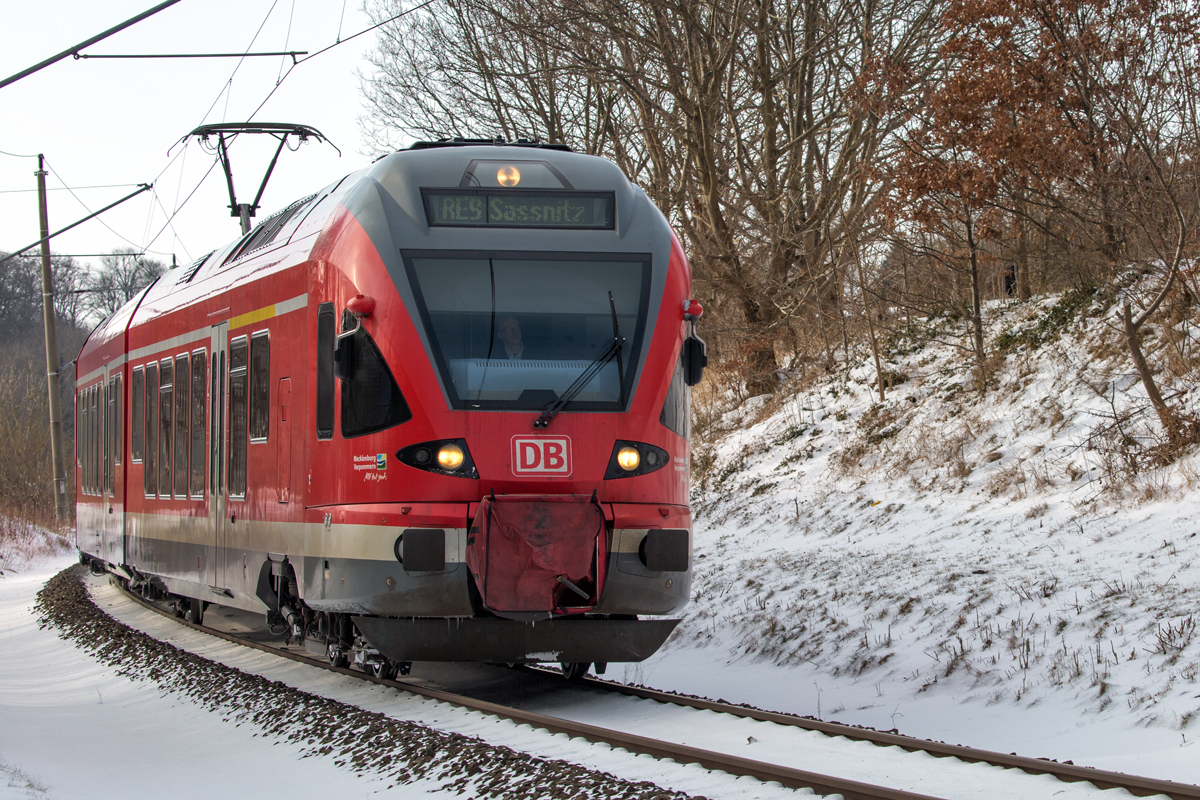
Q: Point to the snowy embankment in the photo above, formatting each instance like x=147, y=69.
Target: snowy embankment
x=985, y=569
x=90, y=706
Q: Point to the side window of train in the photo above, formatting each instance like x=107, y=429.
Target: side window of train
x=371, y=400
x=110, y=421
x=183, y=373
x=149, y=475
x=98, y=441
x=260, y=386
x=196, y=479
x=118, y=406
x=137, y=389
x=676, y=410
x=166, y=387
x=325, y=335
x=238, y=357
x=81, y=436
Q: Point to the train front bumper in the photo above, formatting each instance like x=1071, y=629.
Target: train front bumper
x=578, y=640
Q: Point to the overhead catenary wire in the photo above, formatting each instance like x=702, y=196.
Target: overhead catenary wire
x=292, y=53
x=79, y=200
x=224, y=91
x=326, y=49
x=69, y=188
x=27, y=248
x=86, y=43
x=296, y=62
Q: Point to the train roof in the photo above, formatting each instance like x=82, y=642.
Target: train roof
x=286, y=237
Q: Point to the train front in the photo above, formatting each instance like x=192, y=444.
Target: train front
x=522, y=315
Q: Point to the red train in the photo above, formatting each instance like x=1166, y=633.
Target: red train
x=435, y=411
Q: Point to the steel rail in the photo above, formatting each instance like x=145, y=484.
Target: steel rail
x=1102, y=779
x=1070, y=773
x=723, y=762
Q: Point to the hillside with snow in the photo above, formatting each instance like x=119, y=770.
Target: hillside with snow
x=1014, y=569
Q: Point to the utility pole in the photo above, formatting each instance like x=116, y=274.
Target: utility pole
x=61, y=508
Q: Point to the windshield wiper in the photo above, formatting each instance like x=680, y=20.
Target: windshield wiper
x=551, y=411
x=612, y=351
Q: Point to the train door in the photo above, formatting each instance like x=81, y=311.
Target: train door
x=113, y=486
x=217, y=438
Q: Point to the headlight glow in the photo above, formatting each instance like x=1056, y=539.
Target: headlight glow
x=628, y=458
x=508, y=176
x=450, y=456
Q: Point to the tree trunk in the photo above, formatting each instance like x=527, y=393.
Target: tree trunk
x=1133, y=340
x=862, y=287
x=759, y=347
x=976, y=300
x=1023, y=292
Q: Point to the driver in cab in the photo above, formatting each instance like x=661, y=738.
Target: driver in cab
x=508, y=331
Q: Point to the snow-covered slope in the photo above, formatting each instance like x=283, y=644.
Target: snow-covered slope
x=984, y=568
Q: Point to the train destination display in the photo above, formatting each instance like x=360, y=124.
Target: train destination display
x=471, y=208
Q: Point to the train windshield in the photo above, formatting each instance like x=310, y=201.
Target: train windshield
x=515, y=332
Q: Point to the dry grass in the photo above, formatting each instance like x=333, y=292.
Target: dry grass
x=22, y=542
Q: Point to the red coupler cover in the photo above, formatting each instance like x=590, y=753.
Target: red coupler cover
x=520, y=545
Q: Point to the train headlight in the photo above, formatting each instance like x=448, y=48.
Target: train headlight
x=443, y=456
x=628, y=458
x=450, y=456
x=631, y=459
x=508, y=176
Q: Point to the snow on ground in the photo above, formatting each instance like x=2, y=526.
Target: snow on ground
x=768, y=742
x=981, y=570
x=72, y=727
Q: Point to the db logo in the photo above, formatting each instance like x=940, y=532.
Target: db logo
x=540, y=455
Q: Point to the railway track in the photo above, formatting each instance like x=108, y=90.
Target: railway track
x=723, y=761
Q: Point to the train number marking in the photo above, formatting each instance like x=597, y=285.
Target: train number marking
x=541, y=455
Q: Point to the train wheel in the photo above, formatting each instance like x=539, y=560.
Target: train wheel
x=403, y=667
x=574, y=671
x=336, y=657
x=195, y=612
x=385, y=669
x=177, y=608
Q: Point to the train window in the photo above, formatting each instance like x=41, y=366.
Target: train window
x=215, y=410
x=166, y=388
x=110, y=401
x=86, y=430
x=97, y=430
x=83, y=439
x=325, y=335
x=118, y=401
x=182, y=401
x=149, y=475
x=80, y=431
x=138, y=389
x=237, y=416
x=371, y=400
x=196, y=480
x=260, y=386
x=516, y=332
x=513, y=174
x=676, y=410
x=95, y=438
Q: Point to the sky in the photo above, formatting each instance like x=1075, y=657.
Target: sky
x=104, y=123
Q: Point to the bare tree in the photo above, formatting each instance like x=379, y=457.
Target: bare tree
x=756, y=125
x=121, y=276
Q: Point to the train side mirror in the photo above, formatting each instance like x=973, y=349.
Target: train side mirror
x=343, y=355
x=359, y=307
x=695, y=359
